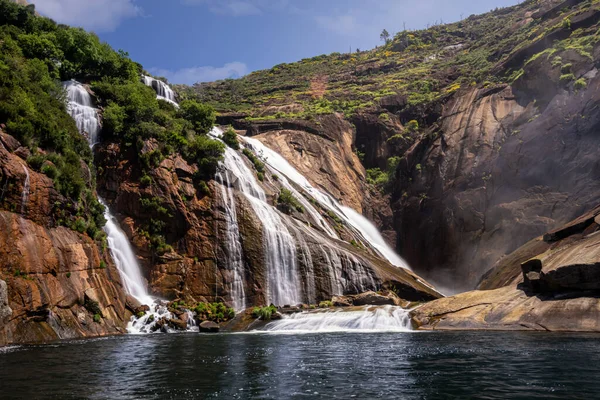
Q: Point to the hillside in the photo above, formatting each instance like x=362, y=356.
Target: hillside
x=458, y=125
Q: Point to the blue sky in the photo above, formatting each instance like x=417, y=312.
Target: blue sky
x=205, y=40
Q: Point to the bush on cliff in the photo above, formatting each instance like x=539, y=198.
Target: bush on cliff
x=287, y=203
x=230, y=139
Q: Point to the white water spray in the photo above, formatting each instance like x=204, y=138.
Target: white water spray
x=163, y=91
x=81, y=108
x=233, y=243
x=369, y=319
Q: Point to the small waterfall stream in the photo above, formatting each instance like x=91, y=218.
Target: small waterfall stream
x=81, y=108
x=25, y=193
x=80, y=104
x=233, y=243
x=163, y=91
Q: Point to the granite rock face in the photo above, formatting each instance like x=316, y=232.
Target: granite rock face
x=551, y=285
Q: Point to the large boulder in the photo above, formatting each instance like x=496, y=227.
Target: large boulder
x=209, y=327
x=373, y=299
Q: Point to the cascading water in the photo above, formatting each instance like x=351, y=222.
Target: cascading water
x=80, y=102
x=234, y=246
x=362, y=225
x=25, y=193
x=369, y=319
x=81, y=108
x=125, y=259
x=163, y=91
x=283, y=286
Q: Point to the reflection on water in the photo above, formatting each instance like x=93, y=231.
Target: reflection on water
x=334, y=365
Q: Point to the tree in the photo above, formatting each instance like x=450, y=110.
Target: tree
x=385, y=36
x=202, y=116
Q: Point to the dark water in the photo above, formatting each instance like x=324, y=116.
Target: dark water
x=312, y=366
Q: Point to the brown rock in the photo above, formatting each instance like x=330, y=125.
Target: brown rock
x=341, y=301
x=209, y=327
x=9, y=142
x=178, y=324
x=372, y=298
x=23, y=152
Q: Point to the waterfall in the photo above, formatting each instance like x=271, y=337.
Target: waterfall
x=163, y=91
x=233, y=243
x=283, y=286
x=125, y=259
x=25, y=194
x=81, y=108
x=369, y=319
x=120, y=248
x=361, y=224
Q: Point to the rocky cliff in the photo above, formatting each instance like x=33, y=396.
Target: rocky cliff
x=480, y=135
x=552, y=284
x=195, y=267
x=55, y=283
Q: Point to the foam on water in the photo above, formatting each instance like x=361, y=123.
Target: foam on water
x=368, y=319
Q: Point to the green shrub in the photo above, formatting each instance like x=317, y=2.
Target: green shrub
x=230, y=139
x=68, y=274
x=146, y=180
x=216, y=312
x=565, y=78
x=50, y=171
x=580, y=84
x=201, y=116
x=258, y=165
x=326, y=304
x=204, y=189
x=287, y=203
x=92, y=306
x=97, y=318
x=264, y=313
x=566, y=68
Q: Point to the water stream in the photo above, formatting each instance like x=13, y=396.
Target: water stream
x=80, y=108
x=25, y=193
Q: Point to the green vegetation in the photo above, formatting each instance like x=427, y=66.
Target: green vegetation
x=216, y=312
x=287, y=203
x=230, y=139
x=258, y=165
x=36, y=55
x=264, y=313
x=92, y=306
x=425, y=67
x=97, y=318
x=580, y=84
x=326, y=304
x=383, y=179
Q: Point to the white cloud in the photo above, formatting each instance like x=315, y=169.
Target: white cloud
x=238, y=8
x=96, y=15
x=345, y=25
x=203, y=74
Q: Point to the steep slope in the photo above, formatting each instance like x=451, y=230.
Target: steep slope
x=482, y=132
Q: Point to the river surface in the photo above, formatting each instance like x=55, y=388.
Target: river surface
x=307, y=366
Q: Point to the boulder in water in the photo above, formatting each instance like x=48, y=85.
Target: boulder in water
x=209, y=327
x=178, y=324
x=341, y=301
